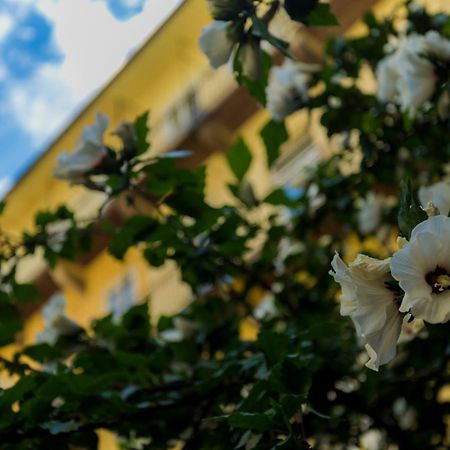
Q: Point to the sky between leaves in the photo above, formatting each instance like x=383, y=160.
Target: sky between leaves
x=54, y=56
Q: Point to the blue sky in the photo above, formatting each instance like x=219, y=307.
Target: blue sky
x=54, y=56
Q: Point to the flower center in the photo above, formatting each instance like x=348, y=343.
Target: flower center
x=439, y=280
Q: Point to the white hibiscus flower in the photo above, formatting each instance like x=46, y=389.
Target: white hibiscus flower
x=217, y=43
x=406, y=76
x=438, y=194
x=56, y=323
x=437, y=45
x=371, y=304
x=267, y=308
x=89, y=153
x=57, y=232
x=422, y=268
x=286, y=248
x=287, y=89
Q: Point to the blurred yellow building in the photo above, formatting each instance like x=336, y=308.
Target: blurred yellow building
x=171, y=77
x=192, y=107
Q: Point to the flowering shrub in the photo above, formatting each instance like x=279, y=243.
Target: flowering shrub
x=306, y=379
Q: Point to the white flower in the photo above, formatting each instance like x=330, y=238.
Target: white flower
x=437, y=45
x=249, y=57
x=266, y=308
x=412, y=329
x=422, y=268
x=56, y=323
x=217, y=43
x=372, y=440
x=370, y=211
x=58, y=233
x=438, y=194
x=287, y=89
x=286, y=248
x=88, y=154
x=315, y=198
x=183, y=329
x=406, y=76
x=370, y=304
x=405, y=415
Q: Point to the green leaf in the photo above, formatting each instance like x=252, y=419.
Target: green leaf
x=300, y=9
x=292, y=443
x=260, y=29
x=257, y=88
x=273, y=345
x=410, y=213
x=274, y=134
x=291, y=376
x=135, y=230
x=42, y=352
x=10, y=324
x=26, y=293
x=239, y=159
x=321, y=16
x=253, y=421
x=142, y=129
x=279, y=197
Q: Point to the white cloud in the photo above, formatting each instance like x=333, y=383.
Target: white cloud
x=94, y=43
x=42, y=104
x=95, y=46
x=6, y=24
x=5, y=185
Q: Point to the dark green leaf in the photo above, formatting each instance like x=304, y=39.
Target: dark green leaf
x=253, y=421
x=300, y=9
x=135, y=230
x=142, y=129
x=274, y=345
x=279, y=197
x=239, y=159
x=260, y=29
x=257, y=88
x=274, y=134
x=410, y=213
x=321, y=16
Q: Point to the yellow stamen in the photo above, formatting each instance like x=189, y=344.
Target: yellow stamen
x=443, y=281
